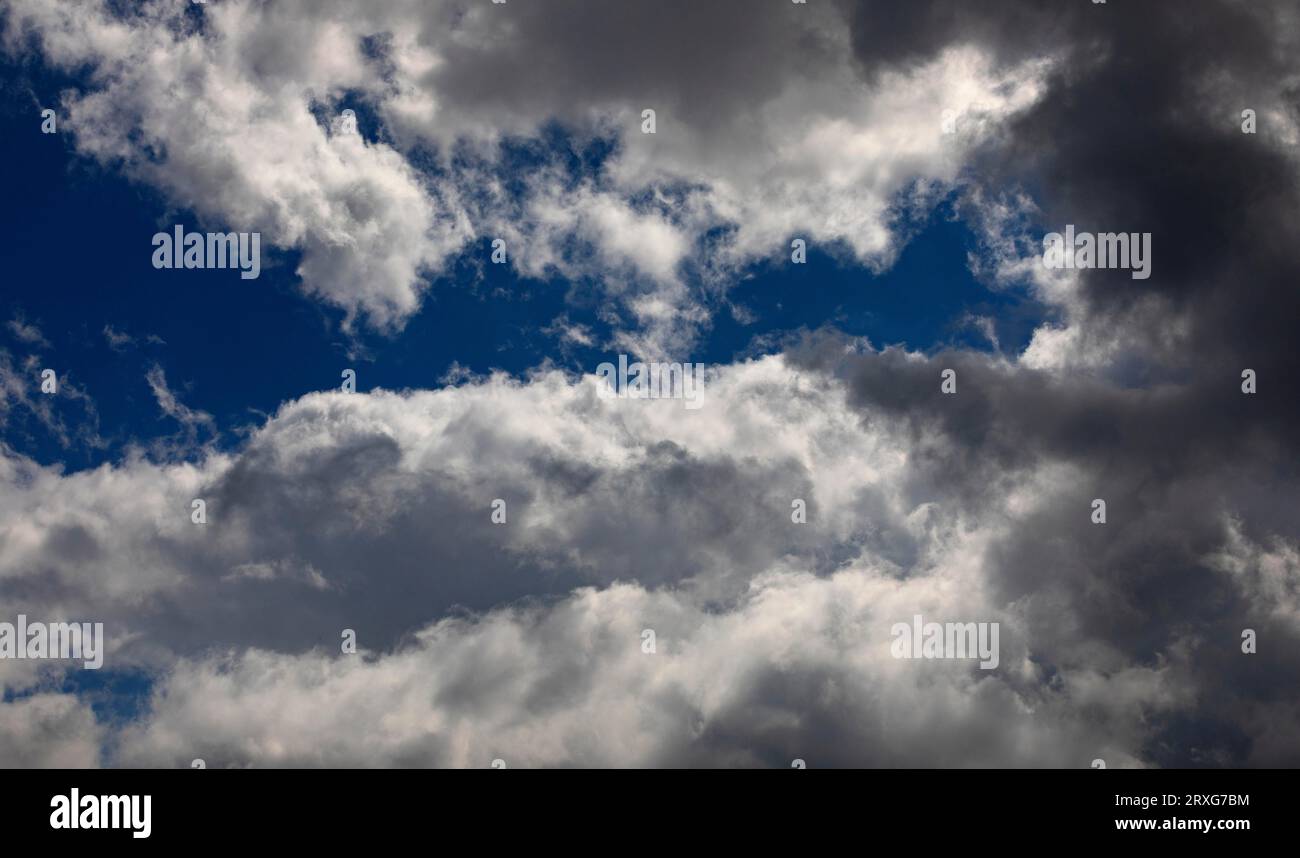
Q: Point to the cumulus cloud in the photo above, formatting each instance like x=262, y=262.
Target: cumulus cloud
x=522, y=640
x=47, y=730
x=221, y=109
x=800, y=667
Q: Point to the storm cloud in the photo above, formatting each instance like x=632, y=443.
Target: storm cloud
x=525, y=639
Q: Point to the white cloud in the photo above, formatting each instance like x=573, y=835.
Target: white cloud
x=522, y=641
x=222, y=120
x=27, y=333
x=48, y=730
x=800, y=668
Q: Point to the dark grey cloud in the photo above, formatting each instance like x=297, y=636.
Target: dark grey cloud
x=1138, y=130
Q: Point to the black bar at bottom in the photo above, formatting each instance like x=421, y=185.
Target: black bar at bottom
x=769, y=808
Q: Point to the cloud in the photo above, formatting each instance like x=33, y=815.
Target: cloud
x=27, y=334
x=237, y=118
x=117, y=340
x=523, y=640
x=48, y=730
x=800, y=668
x=193, y=422
x=23, y=401
x=371, y=512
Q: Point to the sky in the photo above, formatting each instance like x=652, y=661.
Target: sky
x=832, y=481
